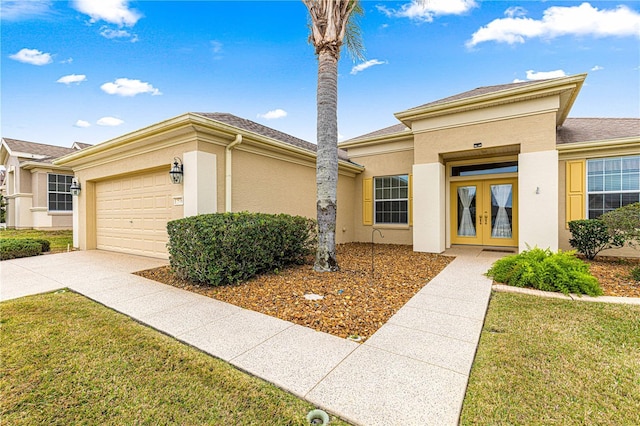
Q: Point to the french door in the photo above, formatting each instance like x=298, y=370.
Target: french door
x=484, y=212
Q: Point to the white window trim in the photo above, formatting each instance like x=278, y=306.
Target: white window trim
x=375, y=201
x=605, y=192
x=56, y=192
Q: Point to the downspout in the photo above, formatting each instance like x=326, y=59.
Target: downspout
x=227, y=168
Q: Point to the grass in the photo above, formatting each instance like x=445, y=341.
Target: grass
x=59, y=240
x=548, y=361
x=68, y=360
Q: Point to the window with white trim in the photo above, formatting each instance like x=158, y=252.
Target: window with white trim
x=612, y=183
x=59, y=192
x=391, y=199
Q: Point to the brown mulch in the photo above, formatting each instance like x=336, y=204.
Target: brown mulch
x=353, y=303
x=614, y=275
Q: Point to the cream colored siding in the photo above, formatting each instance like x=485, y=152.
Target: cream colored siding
x=132, y=214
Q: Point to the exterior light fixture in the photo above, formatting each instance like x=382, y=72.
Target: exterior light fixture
x=75, y=187
x=176, y=172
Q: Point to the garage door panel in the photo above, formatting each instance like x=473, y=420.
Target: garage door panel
x=132, y=214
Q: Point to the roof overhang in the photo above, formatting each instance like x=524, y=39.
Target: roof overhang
x=566, y=88
x=183, y=127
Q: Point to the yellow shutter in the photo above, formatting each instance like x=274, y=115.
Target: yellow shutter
x=576, y=194
x=367, y=201
x=410, y=200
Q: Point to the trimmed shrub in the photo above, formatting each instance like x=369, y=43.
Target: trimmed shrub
x=13, y=249
x=635, y=273
x=591, y=236
x=46, y=245
x=544, y=270
x=226, y=248
x=624, y=223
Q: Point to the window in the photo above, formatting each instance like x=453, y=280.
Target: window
x=60, y=198
x=391, y=199
x=612, y=183
x=485, y=169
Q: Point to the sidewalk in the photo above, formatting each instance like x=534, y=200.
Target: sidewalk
x=412, y=371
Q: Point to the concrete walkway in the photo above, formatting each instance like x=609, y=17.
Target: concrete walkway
x=412, y=371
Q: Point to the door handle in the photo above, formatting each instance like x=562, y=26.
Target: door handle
x=485, y=218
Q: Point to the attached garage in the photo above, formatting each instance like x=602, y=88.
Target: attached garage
x=132, y=214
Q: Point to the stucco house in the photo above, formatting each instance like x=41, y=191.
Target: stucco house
x=36, y=191
x=498, y=166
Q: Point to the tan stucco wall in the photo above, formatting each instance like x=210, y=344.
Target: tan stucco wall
x=265, y=184
x=532, y=132
x=382, y=164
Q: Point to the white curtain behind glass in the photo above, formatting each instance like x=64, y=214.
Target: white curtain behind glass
x=466, y=195
x=502, y=227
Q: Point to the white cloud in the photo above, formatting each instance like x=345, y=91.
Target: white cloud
x=515, y=11
x=597, y=68
x=582, y=20
x=426, y=10
x=272, y=115
x=110, y=33
x=14, y=10
x=83, y=124
x=109, y=121
x=32, y=56
x=544, y=75
x=67, y=61
x=216, y=46
x=128, y=87
x=72, y=78
x=112, y=11
x=363, y=66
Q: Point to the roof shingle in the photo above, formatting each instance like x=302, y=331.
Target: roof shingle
x=252, y=126
x=597, y=129
x=47, y=152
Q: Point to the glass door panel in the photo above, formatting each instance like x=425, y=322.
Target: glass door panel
x=467, y=211
x=501, y=210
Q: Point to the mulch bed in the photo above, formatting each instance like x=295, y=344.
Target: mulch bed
x=614, y=275
x=353, y=303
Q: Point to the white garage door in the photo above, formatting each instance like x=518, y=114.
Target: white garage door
x=132, y=214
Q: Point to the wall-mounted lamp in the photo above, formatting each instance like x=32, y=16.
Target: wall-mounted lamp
x=176, y=172
x=75, y=187
x=537, y=190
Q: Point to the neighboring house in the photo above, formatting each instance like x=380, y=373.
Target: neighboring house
x=35, y=190
x=499, y=166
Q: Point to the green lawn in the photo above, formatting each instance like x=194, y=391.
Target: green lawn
x=59, y=240
x=546, y=361
x=67, y=360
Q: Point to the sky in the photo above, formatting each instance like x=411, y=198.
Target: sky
x=92, y=70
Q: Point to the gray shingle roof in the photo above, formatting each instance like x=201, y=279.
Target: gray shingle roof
x=48, y=152
x=597, y=129
x=391, y=130
x=252, y=126
x=479, y=91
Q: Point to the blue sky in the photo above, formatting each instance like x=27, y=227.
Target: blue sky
x=91, y=70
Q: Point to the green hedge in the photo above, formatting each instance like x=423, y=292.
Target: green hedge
x=226, y=248
x=547, y=271
x=26, y=247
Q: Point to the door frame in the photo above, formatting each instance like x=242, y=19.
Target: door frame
x=483, y=183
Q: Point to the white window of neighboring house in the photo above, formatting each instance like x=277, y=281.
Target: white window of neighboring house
x=391, y=199
x=612, y=183
x=59, y=192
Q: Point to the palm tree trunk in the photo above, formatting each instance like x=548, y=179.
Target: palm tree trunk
x=327, y=161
